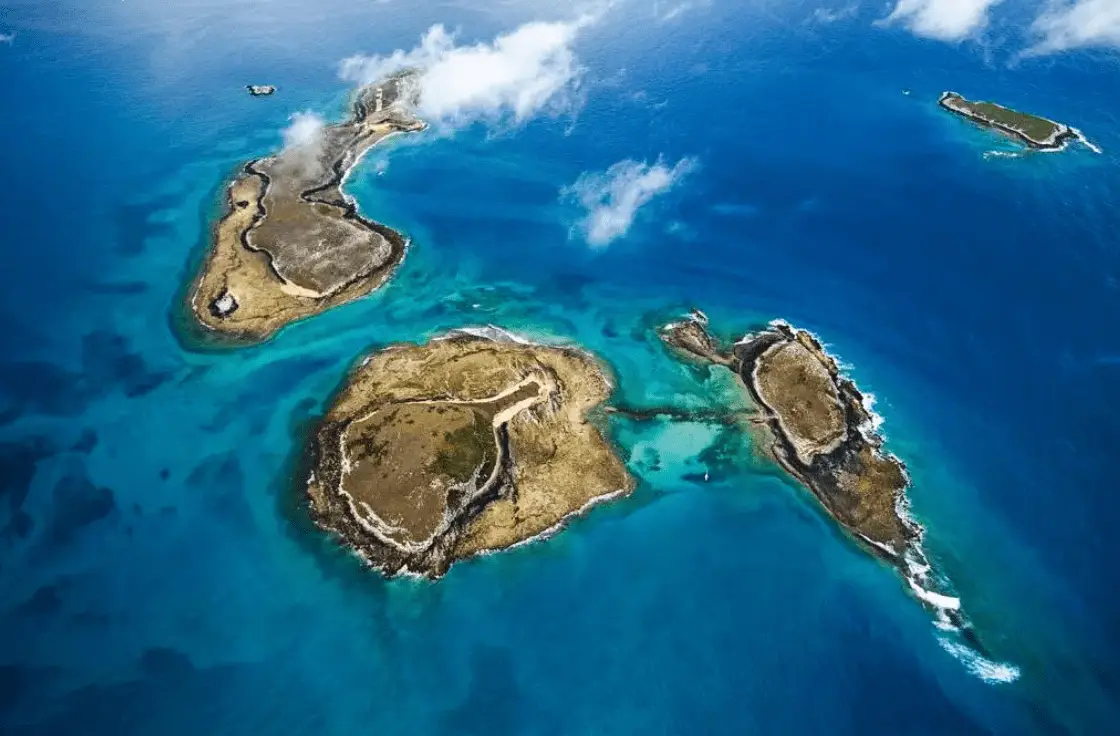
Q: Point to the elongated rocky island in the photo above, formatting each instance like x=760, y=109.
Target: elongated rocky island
x=816, y=425
x=1037, y=132
x=819, y=430
x=473, y=442
x=292, y=243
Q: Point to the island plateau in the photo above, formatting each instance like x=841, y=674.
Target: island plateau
x=1037, y=132
x=469, y=443
x=292, y=243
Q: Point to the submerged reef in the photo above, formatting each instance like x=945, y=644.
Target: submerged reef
x=817, y=426
x=469, y=443
x=292, y=243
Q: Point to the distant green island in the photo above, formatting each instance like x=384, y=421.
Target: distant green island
x=1037, y=132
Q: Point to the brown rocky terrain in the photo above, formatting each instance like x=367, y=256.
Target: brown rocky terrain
x=292, y=244
x=818, y=428
x=433, y=453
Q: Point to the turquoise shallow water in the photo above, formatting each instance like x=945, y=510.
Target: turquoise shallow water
x=158, y=571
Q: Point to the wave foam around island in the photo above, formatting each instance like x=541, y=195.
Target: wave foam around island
x=995, y=673
x=492, y=332
x=937, y=600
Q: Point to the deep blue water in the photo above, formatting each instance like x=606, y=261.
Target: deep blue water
x=158, y=573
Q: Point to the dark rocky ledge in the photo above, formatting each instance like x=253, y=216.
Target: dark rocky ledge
x=292, y=244
x=433, y=453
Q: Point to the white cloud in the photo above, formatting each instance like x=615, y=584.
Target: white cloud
x=303, y=140
x=304, y=132
x=612, y=198
x=674, y=11
x=528, y=71
x=944, y=20
x=1066, y=25
x=7, y=38
x=827, y=15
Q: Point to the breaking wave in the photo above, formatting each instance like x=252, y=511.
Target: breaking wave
x=987, y=670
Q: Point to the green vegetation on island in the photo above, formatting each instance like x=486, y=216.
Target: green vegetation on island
x=1037, y=132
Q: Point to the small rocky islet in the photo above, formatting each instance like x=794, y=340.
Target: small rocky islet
x=1038, y=133
x=468, y=443
x=292, y=244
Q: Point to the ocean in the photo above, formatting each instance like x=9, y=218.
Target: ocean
x=158, y=573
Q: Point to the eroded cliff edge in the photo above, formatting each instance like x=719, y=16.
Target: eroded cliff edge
x=433, y=453
x=292, y=244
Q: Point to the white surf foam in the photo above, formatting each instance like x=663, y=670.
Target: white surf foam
x=1002, y=154
x=875, y=420
x=891, y=551
x=491, y=332
x=1086, y=142
x=987, y=670
x=919, y=568
x=906, y=515
x=937, y=600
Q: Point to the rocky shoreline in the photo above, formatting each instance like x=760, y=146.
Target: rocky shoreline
x=292, y=244
x=464, y=445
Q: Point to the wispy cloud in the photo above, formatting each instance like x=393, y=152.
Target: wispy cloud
x=944, y=20
x=613, y=197
x=664, y=14
x=529, y=71
x=1077, y=23
x=306, y=130
x=825, y=16
x=7, y=38
x=303, y=140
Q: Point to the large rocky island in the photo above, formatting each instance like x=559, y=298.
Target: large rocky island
x=292, y=244
x=816, y=426
x=1037, y=132
x=469, y=443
